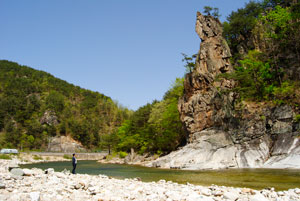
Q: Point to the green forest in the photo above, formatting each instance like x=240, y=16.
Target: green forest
x=154, y=128
x=35, y=105
x=264, y=41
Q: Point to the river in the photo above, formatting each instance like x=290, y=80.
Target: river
x=280, y=179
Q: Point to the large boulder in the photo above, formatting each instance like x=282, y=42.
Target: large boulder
x=17, y=172
x=65, y=144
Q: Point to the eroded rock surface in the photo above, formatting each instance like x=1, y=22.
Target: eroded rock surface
x=201, y=102
x=65, y=144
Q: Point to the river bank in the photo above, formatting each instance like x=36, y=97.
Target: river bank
x=39, y=157
x=36, y=184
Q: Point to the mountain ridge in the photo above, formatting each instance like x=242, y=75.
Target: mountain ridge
x=35, y=105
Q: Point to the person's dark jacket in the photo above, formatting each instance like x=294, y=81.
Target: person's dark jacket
x=73, y=161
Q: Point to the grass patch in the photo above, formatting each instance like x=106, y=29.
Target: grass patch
x=111, y=156
x=297, y=118
x=5, y=156
x=36, y=157
x=67, y=157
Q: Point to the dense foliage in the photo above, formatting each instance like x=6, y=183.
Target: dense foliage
x=34, y=106
x=264, y=40
x=155, y=127
x=241, y=32
x=240, y=24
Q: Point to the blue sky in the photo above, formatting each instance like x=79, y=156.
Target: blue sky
x=128, y=50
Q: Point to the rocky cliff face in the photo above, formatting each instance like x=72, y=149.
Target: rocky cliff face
x=225, y=133
x=202, y=104
x=65, y=144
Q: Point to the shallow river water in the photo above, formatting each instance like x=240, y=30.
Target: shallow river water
x=281, y=179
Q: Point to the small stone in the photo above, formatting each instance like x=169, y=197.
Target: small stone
x=297, y=191
x=28, y=184
x=258, y=197
x=273, y=195
x=77, y=186
x=27, y=172
x=2, y=186
x=91, y=189
x=230, y=196
x=17, y=177
x=49, y=171
x=82, y=184
x=35, y=196
x=162, y=181
x=206, y=192
x=246, y=190
x=280, y=193
x=137, y=179
x=217, y=193
x=8, y=177
x=65, y=171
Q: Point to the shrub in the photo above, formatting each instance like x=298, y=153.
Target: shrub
x=297, y=118
x=122, y=154
x=36, y=157
x=67, y=157
x=111, y=156
x=284, y=91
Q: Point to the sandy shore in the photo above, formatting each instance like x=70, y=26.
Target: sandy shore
x=36, y=184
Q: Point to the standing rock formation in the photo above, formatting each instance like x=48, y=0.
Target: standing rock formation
x=223, y=132
x=201, y=102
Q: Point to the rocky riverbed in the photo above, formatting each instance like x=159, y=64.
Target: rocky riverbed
x=36, y=184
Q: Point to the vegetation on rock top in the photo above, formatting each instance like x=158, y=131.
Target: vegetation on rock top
x=265, y=44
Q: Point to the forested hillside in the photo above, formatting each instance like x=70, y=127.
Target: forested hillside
x=265, y=43
x=35, y=105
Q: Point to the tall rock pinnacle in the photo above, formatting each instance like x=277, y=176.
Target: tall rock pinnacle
x=202, y=101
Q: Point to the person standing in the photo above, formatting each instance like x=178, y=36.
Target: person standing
x=74, y=163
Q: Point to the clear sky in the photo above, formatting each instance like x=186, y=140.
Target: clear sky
x=128, y=50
